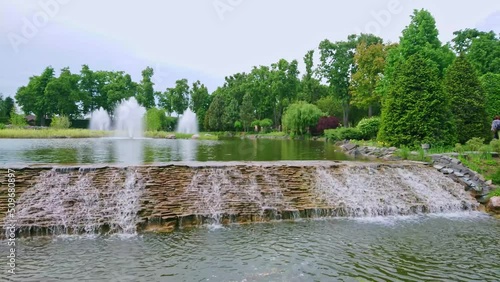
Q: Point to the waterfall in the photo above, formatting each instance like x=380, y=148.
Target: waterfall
x=69, y=202
x=114, y=200
x=365, y=191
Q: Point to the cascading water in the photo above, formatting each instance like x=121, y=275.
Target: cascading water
x=188, y=123
x=93, y=200
x=66, y=206
x=100, y=120
x=355, y=192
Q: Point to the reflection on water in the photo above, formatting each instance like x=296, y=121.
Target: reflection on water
x=136, y=151
x=461, y=248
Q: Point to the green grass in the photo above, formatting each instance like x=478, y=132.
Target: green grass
x=86, y=133
x=164, y=134
x=51, y=133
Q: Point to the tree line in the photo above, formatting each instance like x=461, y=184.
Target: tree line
x=423, y=90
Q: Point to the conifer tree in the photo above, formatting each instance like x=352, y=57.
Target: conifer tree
x=416, y=110
x=466, y=95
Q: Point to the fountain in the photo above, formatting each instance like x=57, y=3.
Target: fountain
x=100, y=120
x=188, y=123
x=128, y=121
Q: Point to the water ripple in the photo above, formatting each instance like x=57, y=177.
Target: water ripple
x=423, y=248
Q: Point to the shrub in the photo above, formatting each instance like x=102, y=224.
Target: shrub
x=326, y=123
x=60, y=122
x=475, y=143
x=403, y=152
x=266, y=124
x=495, y=145
x=369, y=127
x=339, y=134
x=156, y=120
x=237, y=125
x=2, y=126
x=17, y=119
x=495, y=178
x=170, y=124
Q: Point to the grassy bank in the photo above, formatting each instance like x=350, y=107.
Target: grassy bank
x=86, y=133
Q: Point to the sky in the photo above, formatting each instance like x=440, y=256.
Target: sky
x=202, y=40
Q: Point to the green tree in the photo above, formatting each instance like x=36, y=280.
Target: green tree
x=8, y=104
x=464, y=90
x=420, y=36
x=300, y=117
x=337, y=67
x=231, y=113
x=247, y=112
x=330, y=106
x=176, y=99
x=64, y=92
x=156, y=119
x=491, y=85
x=481, y=48
x=370, y=63
x=416, y=110
x=213, y=118
x=119, y=87
x=200, y=101
x=32, y=98
x=146, y=94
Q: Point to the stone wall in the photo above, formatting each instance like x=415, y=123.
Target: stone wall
x=178, y=195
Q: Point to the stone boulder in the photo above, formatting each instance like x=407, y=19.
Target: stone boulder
x=171, y=136
x=195, y=136
x=493, y=205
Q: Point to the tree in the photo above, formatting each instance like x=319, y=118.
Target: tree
x=491, y=86
x=146, y=94
x=213, y=120
x=176, y=99
x=337, y=66
x=200, y=101
x=32, y=97
x=284, y=86
x=119, y=87
x=420, y=36
x=64, y=92
x=415, y=110
x=247, y=112
x=466, y=95
x=481, y=48
x=231, y=113
x=300, y=117
x=370, y=63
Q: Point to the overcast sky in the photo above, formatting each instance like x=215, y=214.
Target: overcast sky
x=201, y=39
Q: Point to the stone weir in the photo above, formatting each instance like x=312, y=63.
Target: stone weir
x=161, y=197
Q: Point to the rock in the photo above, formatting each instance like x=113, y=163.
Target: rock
x=489, y=182
x=493, y=205
x=447, y=171
x=438, y=167
x=459, y=174
x=171, y=136
x=195, y=136
x=349, y=146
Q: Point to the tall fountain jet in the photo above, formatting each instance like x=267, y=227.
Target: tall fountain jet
x=188, y=123
x=129, y=120
x=100, y=120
